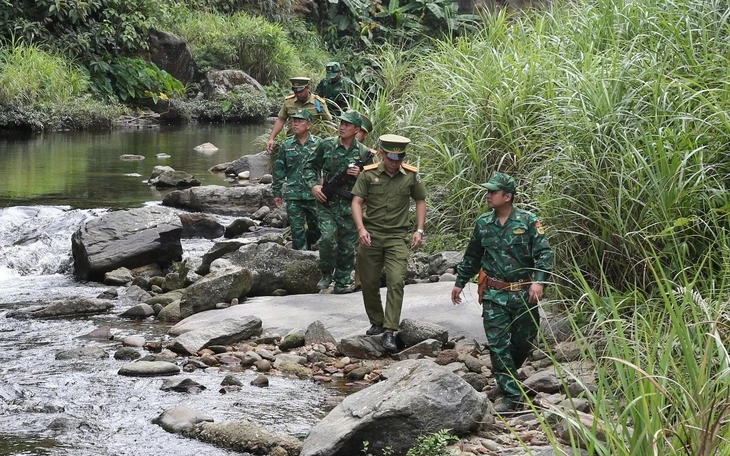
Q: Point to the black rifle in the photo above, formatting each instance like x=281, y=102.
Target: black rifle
x=335, y=185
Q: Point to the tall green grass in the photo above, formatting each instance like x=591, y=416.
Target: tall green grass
x=612, y=115
x=29, y=75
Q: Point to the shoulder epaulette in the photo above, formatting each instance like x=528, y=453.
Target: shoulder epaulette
x=409, y=167
x=290, y=96
x=320, y=99
x=370, y=167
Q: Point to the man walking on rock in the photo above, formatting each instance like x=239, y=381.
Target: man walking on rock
x=380, y=209
x=510, y=251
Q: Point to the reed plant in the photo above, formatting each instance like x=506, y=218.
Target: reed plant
x=612, y=115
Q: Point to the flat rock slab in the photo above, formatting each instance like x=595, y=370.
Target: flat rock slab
x=149, y=369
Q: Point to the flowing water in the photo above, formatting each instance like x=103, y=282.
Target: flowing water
x=50, y=184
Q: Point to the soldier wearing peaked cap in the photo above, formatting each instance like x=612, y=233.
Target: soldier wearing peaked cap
x=301, y=207
x=380, y=210
x=510, y=251
x=335, y=87
x=301, y=98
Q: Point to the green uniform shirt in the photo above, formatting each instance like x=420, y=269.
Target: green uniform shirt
x=387, y=199
x=335, y=91
x=517, y=250
x=289, y=166
x=331, y=158
x=316, y=105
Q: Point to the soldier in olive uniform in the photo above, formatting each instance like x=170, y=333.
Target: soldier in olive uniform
x=302, y=98
x=301, y=207
x=385, y=190
x=510, y=247
x=335, y=87
x=334, y=162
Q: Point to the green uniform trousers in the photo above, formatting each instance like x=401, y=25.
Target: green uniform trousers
x=386, y=253
x=304, y=223
x=511, y=325
x=337, y=241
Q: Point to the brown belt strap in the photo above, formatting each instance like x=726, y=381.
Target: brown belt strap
x=482, y=284
x=488, y=282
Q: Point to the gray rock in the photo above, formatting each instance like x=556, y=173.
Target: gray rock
x=257, y=165
x=289, y=358
x=81, y=353
x=294, y=339
x=134, y=341
x=121, y=276
x=172, y=54
x=198, y=225
x=180, y=419
x=216, y=199
x=316, y=333
x=222, y=285
x=219, y=333
x=238, y=227
x=170, y=312
x=139, y=311
x=134, y=294
x=165, y=298
x=544, y=382
x=149, y=369
x=64, y=308
x=439, y=263
x=245, y=437
x=418, y=397
x=263, y=365
x=100, y=333
x=179, y=179
x=429, y=347
x=411, y=332
x=477, y=381
x=231, y=380
x=261, y=213
x=363, y=347
x=221, y=82
x=130, y=238
x=260, y=381
x=182, y=385
x=289, y=368
x=126, y=354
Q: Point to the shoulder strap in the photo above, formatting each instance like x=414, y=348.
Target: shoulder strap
x=409, y=167
x=290, y=96
x=370, y=167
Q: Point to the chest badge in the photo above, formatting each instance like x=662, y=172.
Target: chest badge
x=377, y=179
x=518, y=231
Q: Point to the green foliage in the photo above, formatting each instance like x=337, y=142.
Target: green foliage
x=88, y=30
x=28, y=75
x=133, y=80
x=81, y=113
x=433, y=445
x=243, y=104
x=606, y=113
x=252, y=44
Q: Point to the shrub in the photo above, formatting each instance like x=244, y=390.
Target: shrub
x=83, y=113
x=133, y=80
x=30, y=75
x=243, y=104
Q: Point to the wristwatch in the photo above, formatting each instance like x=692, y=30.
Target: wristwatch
x=420, y=230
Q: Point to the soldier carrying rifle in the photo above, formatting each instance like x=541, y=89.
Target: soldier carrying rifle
x=333, y=160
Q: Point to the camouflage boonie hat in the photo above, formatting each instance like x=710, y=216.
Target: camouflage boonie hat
x=367, y=125
x=352, y=117
x=299, y=84
x=394, y=146
x=502, y=181
x=302, y=114
x=333, y=69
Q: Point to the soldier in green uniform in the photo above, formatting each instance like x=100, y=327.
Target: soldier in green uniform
x=510, y=251
x=335, y=87
x=331, y=174
x=301, y=98
x=385, y=190
x=301, y=207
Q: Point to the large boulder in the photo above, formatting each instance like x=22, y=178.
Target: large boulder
x=219, y=333
x=221, y=82
x=73, y=307
x=216, y=199
x=173, y=55
x=257, y=166
x=220, y=286
x=130, y=238
x=245, y=437
x=274, y=267
x=419, y=397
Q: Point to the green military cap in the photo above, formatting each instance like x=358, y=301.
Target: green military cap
x=394, y=146
x=502, y=181
x=298, y=84
x=333, y=69
x=367, y=125
x=302, y=114
x=352, y=117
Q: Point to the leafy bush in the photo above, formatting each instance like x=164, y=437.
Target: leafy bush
x=82, y=113
x=243, y=104
x=242, y=42
x=28, y=75
x=134, y=79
